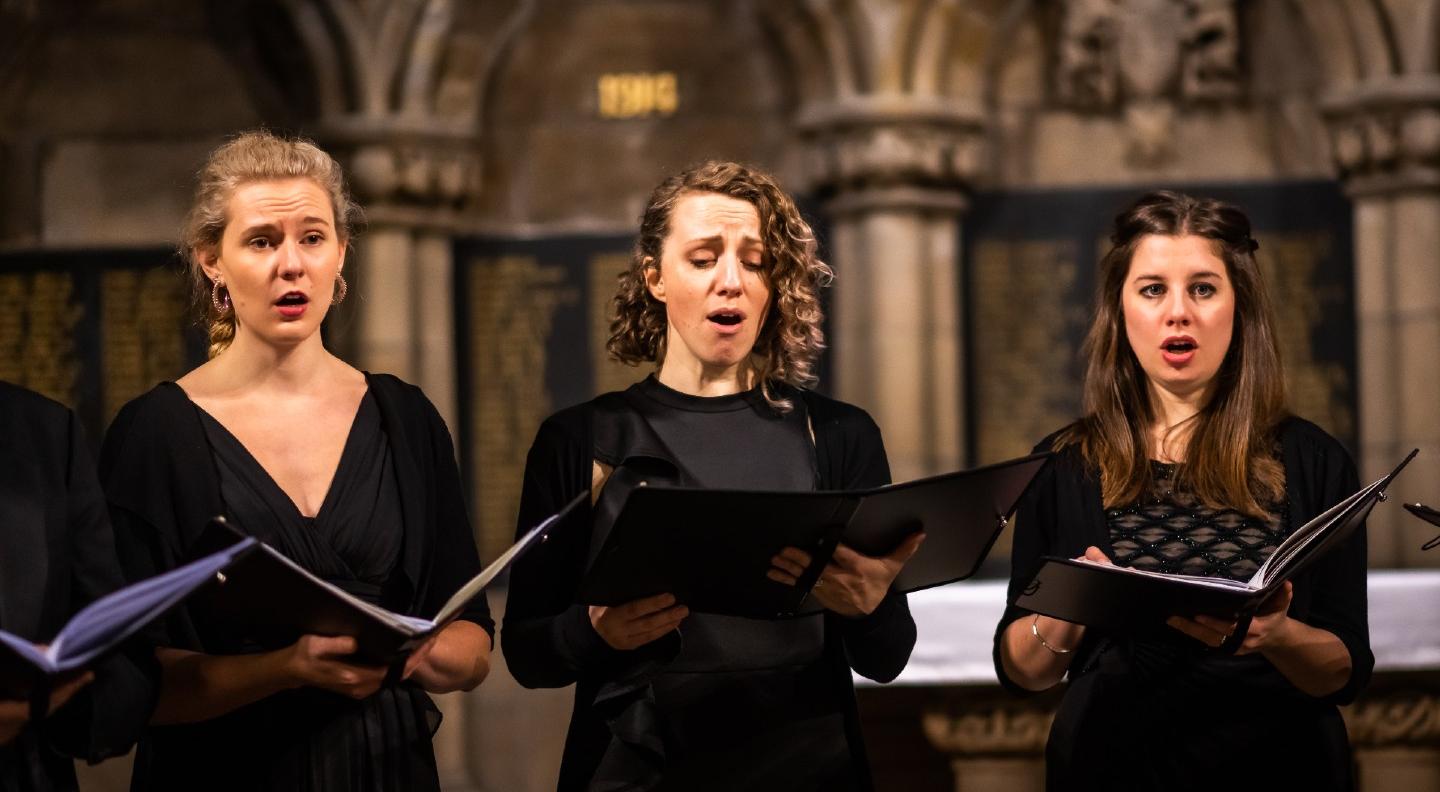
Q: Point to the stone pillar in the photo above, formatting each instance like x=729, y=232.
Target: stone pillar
x=896, y=179
x=993, y=746
x=1386, y=140
x=1397, y=741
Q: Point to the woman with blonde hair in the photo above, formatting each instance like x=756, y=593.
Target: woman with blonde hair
x=352, y=475
x=1187, y=461
x=722, y=294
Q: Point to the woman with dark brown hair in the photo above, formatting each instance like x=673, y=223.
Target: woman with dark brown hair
x=723, y=294
x=1186, y=461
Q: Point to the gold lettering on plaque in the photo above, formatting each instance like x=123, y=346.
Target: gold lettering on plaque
x=142, y=332
x=610, y=375
x=1318, y=388
x=512, y=301
x=37, y=333
x=638, y=94
x=1025, y=371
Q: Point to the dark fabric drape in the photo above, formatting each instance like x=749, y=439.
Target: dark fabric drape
x=57, y=554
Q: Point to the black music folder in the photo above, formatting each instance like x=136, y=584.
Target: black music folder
x=272, y=600
x=712, y=548
x=104, y=624
x=1120, y=599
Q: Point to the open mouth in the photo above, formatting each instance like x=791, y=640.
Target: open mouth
x=1178, y=346
x=292, y=299
x=727, y=318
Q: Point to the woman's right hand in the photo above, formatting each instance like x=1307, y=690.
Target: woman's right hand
x=636, y=623
x=323, y=662
x=15, y=714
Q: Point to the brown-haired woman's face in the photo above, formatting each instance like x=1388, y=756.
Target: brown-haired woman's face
x=279, y=257
x=1179, y=311
x=712, y=281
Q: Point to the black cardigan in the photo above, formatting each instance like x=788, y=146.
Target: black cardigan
x=1062, y=514
x=162, y=483
x=57, y=554
x=547, y=637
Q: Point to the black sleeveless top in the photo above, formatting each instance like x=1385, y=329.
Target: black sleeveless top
x=744, y=700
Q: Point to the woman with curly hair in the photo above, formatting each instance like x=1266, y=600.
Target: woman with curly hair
x=722, y=293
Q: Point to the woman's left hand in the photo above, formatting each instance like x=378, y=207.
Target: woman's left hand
x=1267, y=626
x=852, y=584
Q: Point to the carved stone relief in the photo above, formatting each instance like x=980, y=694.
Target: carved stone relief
x=1144, y=59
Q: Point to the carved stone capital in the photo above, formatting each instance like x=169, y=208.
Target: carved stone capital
x=1397, y=719
x=396, y=167
x=894, y=151
x=1385, y=135
x=1010, y=729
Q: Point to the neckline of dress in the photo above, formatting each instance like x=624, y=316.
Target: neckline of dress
x=345, y=453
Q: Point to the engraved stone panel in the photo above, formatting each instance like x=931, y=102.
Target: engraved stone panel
x=513, y=301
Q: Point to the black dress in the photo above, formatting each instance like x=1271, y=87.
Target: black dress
x=723, y=703
x=1159, y=711
x=363, y=539
x=57, y=554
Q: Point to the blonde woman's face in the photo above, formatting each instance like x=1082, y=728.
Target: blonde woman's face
x=278, y=258
x=712, y=281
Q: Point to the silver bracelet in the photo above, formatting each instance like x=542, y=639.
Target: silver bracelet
x=1035, y=630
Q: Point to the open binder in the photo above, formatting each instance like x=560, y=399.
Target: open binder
x=105, y=624
x=1121, y=599
x=712, y=548
x=270, y=599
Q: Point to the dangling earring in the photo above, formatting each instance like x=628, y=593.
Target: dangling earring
x=221, y=304
x=341, y=289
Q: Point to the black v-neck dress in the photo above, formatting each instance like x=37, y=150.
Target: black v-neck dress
x=390, y=530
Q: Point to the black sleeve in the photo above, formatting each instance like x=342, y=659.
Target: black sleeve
x=546, y=636
x=107, y=717
x=1340, y=605
x=1032, y=540
x=455, y=558
x=136, y=476
x=878, y=645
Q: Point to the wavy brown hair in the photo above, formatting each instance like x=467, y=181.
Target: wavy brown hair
x=258, y=155
x=790, y=338
x=1230, y=457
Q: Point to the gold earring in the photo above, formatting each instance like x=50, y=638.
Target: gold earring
x=341, y=289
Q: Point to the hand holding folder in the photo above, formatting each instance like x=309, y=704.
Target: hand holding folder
x=1121, y=599
x=712, y=549
x=272, y=600
x=28, y=671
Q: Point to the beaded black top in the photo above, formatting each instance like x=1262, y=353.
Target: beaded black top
x=1170, y=530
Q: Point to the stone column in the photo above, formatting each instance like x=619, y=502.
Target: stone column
x=1397, y=741
x=1386, y=140
x=993, y=745
x=896, y=178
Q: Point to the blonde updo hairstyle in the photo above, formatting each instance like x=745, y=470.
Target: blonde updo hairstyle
x=254, y=156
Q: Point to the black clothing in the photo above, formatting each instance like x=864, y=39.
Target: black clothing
x=721, y=703
x=1160, y=711
x=57, y=554
x=392, y=529
x=1172, y=531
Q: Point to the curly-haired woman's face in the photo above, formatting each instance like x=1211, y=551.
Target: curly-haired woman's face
x=1179, y=309
x=711, y=279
